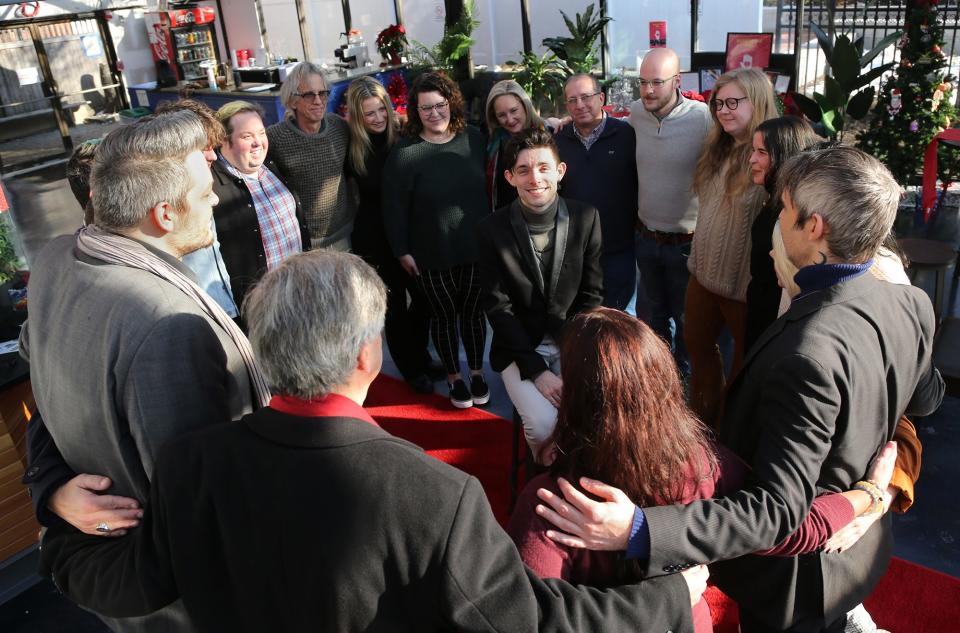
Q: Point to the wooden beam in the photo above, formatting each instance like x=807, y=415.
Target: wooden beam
x=304, y=31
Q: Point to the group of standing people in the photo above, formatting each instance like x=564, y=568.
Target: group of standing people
x=542, y=228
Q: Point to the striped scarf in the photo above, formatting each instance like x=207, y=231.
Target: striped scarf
x=123, y=251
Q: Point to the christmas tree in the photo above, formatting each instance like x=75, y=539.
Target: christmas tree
x=916, y=102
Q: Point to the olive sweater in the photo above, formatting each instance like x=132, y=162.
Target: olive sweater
x=720, y=255
x=433, y=196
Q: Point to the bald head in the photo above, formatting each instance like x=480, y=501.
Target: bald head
x=660, y=66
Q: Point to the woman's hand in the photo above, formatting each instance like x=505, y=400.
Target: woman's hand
x=880, y=472
x=409, y=265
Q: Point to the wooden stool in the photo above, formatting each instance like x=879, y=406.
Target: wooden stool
x=929, y=255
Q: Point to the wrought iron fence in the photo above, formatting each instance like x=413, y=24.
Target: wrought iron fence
x=872, y=20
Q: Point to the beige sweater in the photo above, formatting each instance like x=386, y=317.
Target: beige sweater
x=720, y=255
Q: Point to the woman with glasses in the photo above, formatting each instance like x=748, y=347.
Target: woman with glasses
x=310, y=147
x=622, y=420
x=433, y=197
x=374, y=130
x=509, y=112
x=720, y=254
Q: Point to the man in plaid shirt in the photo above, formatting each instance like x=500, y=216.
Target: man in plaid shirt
x=259, y=219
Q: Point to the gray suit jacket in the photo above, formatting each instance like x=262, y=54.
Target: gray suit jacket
x=818, y=395
x=120, y=362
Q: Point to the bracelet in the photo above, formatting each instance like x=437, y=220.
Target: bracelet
x=876, y=495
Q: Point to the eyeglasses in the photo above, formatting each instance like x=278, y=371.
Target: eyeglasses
x=311, y=96
x=732, y=103
x=584, y=98
x=656, y=83
x=436, y=107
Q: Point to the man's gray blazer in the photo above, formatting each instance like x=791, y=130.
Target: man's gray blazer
x=120, y=362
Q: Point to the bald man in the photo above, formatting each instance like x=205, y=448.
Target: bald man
x=670, y=133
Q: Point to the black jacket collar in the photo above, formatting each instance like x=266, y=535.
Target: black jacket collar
x=306, y=432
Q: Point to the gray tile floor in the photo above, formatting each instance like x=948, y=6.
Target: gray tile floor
x=928, y=534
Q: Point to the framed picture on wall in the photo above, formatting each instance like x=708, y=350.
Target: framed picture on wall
x=749, y=50
x=708, y=77
x=690, y=81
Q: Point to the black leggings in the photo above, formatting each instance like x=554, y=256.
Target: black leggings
x=454, y=294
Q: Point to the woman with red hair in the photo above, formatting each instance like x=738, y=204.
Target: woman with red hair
x=623, y=420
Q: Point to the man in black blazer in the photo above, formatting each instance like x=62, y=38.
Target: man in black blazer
x=819, y=394
x=307, y=516
x=539, y=267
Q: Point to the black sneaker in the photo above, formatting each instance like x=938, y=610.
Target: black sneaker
x=460, y=395
x=479, y=389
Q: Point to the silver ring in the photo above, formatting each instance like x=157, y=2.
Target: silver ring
x=103, y=527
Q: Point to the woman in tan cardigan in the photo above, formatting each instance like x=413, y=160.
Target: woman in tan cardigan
x=720, y=256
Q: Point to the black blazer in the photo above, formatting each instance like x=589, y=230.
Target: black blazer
x=521, y=310
x=283, y=523
x=818, y=394
x=238, y=229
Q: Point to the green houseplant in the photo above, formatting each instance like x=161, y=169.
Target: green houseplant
x=542, y=77
x=452, y=47
x=579, y=51
x=847, y=91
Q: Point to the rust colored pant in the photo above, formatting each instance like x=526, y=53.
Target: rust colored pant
x=706, y=315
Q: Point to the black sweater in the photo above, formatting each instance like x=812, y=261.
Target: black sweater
x=433, y=197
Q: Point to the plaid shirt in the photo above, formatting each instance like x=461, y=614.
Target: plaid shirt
x=592, y=137
x=276, y=212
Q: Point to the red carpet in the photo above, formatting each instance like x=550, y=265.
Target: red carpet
x=909, y=598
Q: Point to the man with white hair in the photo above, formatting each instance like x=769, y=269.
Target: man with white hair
x=126, y=351
x=310, y=149
x=310, y=517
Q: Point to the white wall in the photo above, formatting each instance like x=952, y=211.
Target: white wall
x=719, y=17
x=629, y=32
x=240, y=19
x=129, y=35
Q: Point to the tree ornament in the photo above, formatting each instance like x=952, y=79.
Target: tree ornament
x=914, y=126
x=935, y=48
x=896, y=102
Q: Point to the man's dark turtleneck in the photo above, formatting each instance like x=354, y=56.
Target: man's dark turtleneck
x=542, y=227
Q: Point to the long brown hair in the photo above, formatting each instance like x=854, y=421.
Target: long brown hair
x=622, y=417
x=361, y=146
x=434, y=82
x=722, y=150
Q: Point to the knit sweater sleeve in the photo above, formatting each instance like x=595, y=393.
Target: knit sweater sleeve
x=397, y=200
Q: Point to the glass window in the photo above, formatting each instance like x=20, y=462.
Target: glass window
x=629, y=32
x=371, y=17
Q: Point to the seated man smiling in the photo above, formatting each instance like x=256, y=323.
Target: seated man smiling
x=539, y=267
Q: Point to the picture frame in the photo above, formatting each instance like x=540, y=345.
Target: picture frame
x=708, y=77
x=690, y=81
x=749, y=50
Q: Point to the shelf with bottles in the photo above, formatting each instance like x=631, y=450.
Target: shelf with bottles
x=193, y=38
x=195, y=55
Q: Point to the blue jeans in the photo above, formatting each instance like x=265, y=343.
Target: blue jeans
x=663, y=271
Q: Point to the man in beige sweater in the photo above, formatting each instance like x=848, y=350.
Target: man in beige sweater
x=670, y=132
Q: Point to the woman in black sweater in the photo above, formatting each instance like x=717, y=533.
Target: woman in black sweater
x=433, y=196
x=774, y=142
x=374, y=129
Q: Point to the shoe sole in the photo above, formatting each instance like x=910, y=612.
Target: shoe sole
x=482, y=399
x=461, y=404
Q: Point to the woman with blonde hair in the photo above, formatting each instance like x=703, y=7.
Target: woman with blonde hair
x=374, y=129
x=720, y=255
x=509, y=111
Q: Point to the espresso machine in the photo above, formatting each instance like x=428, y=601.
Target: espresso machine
x=354, y=55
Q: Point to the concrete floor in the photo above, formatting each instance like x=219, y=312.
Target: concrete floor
x=929, y=534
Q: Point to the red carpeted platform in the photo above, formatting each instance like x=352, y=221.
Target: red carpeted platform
x=909, y=598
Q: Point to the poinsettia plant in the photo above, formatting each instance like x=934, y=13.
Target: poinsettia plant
x=391, y=41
